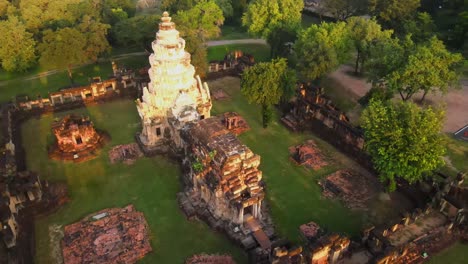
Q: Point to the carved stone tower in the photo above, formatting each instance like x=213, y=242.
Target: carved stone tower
x=174, y=95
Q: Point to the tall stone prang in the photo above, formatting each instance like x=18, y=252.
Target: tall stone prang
x=174, y=96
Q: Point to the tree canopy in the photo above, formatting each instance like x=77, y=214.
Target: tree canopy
x=365, y=33
x=263, y=16
x=388, y=10
x=197, y=24
x=403, y=140
x=407, y=68
x=343, y=9
x=321, y=49
x=70, y=46
x=17, y=46
x=265, y=83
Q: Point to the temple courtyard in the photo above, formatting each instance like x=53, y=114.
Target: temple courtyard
x=151, y=184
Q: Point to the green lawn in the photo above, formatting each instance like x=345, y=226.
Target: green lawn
x=259, y=51
x=13, y=85
x=458, y=254
x=150, y=184
x=457, y=152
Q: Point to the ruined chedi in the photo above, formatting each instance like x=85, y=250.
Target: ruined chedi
x=174, y=96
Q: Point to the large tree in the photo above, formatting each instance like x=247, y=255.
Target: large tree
x=343, y=9
x=364, y=34
x=39, y=14
x=406, y=68
x=431, y=67
x=321, y=49
x=17, y=46
x=138, y=30
x=403, y=140
x=280, y=38
x=201, y=22
x=69, y=46
x=393, y=10
x=264, y=16
x=265, y=84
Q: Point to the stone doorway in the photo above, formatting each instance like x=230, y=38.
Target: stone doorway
x=78, y=140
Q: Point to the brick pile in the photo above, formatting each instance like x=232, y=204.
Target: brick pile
x=116, y=235
x=127, y=154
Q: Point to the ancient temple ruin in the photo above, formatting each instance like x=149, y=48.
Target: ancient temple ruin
x=76, y=138
x=223, y=172
x=174, y=96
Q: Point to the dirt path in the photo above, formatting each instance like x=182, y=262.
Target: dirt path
x=455, y=101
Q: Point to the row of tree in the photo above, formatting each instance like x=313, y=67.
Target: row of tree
x=60, y=34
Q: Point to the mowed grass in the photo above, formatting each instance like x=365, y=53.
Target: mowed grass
x=458, y=254
x=260, y=52
x=457, y=151
x=32, y=86
x=151, y=184
x=292, y=191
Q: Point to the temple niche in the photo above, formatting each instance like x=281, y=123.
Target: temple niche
x=76, y=139
x=174, y=96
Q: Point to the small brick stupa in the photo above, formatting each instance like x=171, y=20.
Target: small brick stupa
x=174, y=96
x=76, y=139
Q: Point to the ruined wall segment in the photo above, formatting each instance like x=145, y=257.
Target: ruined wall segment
x=174, y=95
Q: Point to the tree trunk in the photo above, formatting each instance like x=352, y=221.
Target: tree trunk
x=266, y=115
x=70, y=75
x=424, y=96
x=356, y=66
x=402, y=97
x=361, y=72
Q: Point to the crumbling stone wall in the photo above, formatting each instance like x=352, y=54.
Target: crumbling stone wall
x=313, y=111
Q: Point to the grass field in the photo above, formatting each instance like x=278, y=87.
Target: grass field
x=457, y=152
x=13, y=85
x=259, y=51
x=458, y=254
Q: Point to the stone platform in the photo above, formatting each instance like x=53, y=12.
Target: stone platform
x=116, y=235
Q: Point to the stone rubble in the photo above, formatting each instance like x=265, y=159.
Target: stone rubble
x=127, y=154
x=116, y=235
